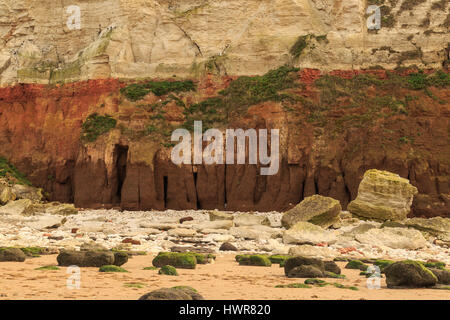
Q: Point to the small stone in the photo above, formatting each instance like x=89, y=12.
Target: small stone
x=186, y=219
x=132, y=241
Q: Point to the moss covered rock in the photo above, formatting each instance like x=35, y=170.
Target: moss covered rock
x=175, y=259
x=120, y=258
x=409, y=273
x=111, y=268
x=319, y=210
x=168, y=271
x=279, y=259
x=382, y=196
x=85, y=258
x=331, y=266
x=382, y=264
x=175, y=293
x=12, y=254
x=356, y=264
x=443, y=276
x=255, y=260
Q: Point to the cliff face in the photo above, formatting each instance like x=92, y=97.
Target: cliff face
x=334, y=124
x=333, y=128
x=138, y=38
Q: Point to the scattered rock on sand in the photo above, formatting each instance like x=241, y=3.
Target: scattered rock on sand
x=383, y=195
x=410, y=274
x=319, y=210
x=175, y=293
x=85, y=258
x=175, y=259
x=12, y=254
x=396, y=238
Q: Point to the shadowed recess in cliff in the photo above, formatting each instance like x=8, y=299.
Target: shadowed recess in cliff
x=121, y=153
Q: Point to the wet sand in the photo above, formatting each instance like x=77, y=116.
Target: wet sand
x=224, y=279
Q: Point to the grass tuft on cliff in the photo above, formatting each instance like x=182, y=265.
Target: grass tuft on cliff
x=137, y=91
x=96, y=125
x=10, y=172
x=239, y=95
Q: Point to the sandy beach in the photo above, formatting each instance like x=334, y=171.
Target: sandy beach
x=224, y=279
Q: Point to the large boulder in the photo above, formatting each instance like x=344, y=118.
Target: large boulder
x=396, y=238
x=16, y=207
x=319, y=210
x=27, y=192
x=383, y=195
x=12, y=254
x=85, y=258
x=307, y=233
x=410, y=274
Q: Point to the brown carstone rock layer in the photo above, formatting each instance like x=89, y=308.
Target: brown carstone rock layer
x=40, y=130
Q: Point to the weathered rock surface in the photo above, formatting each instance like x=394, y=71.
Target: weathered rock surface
x=310, y=251
x=443, y=276
x=437, y=226
x=383, y=196
x=291, y=264
x=409, y=274
x=12, y=254
x=16, y=207
x=6, y=194
x=27, y=192
x=319, y=210
x=397, y=238
x=85, y=258
x=176, y=293
x=131, y=38
x=246, y=219
x=307, y=233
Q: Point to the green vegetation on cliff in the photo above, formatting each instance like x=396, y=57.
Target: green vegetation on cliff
x=137, y=91
x=96, y=125
x=239, y=95
x=10, y=172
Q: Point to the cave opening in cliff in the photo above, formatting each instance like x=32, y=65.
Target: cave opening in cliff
x=121, y=153
x=195, y=184
x=166, y=182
